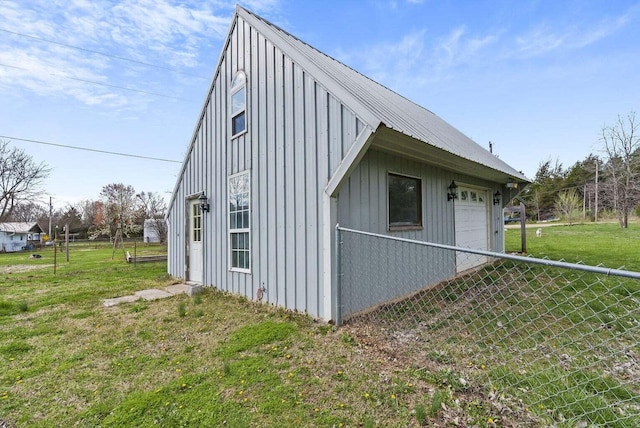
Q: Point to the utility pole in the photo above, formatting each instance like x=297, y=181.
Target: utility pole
x=50, y=215
x=66, y=239
x=584, y=201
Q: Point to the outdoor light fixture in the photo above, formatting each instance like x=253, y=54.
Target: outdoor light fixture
x=496, y=198
x=512, y=184
x=204, y=204
x=453, y=191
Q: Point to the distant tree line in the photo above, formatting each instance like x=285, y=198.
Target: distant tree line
x=597, y=185
x=118, y=210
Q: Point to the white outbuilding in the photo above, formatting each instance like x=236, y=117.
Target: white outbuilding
x=18, y=236
x=150, y=230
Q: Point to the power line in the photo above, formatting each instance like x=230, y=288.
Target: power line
x=89, y=150
x=40, y=39
x=103, y=84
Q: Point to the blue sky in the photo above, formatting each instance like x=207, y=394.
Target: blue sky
x=537, y=78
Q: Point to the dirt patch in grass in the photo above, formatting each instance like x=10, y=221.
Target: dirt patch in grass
x=21, y=268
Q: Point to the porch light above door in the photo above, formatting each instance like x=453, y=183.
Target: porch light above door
x=453, y=191
x=497, y=197
x=204, y=202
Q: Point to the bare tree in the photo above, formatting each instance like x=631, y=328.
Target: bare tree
x=86, y=209
x=20, y=178
x=97, y=218
x=29, y=212
x=154, y=210
x=568, y=204
x=118, y=211
x=622, y=146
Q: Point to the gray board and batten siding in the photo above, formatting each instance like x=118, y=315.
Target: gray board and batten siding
x=362, y=205
x=362, y=201
x=316, y=131
x=297, y=135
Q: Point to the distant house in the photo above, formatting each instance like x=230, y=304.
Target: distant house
x=150, y=230
x=15, y=236
x=291, y=142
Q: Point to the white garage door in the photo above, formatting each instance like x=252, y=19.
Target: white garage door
x=472, y=226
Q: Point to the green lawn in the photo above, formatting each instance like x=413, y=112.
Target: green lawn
x=589, y=319
x=595, y=244
x=220, y=360
x=207, y=360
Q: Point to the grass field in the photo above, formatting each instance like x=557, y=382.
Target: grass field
x=594, y=244
x=220, y=360
x=207, y=360
x=563, y=342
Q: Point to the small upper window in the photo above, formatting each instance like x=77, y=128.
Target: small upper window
x=405, y=201
x=238, y=104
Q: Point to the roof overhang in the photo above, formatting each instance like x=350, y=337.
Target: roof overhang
x=397, y=143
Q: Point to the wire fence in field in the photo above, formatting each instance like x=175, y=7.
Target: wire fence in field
x=563, y=339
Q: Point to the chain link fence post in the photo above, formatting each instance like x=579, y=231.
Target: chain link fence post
x=338, y=279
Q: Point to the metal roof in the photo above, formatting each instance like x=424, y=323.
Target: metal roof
x=20, y=227
x=368, y=98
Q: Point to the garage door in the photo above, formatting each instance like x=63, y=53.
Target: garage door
x=472, y=226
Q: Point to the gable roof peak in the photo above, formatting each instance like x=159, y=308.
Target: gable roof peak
x=375, y=103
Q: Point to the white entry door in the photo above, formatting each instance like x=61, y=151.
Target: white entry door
x=472, y=226
x=195, y=242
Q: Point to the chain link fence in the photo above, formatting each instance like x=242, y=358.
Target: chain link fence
x=561, y=339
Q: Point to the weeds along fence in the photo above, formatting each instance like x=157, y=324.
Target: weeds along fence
x=561, y=339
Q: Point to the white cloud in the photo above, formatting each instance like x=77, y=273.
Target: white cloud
x=419, y=59
x=389, y=63
x=167, y=33
x=545, y=38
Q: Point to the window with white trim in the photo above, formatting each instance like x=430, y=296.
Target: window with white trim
x=238, y=104
x=239, y=227
x=405, y=202
x=196, y=223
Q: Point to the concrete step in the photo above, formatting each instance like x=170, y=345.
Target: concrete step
x=188, y=289
x=155, y=294
x=117, y=300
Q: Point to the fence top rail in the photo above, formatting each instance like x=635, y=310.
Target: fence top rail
x=546, y=262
